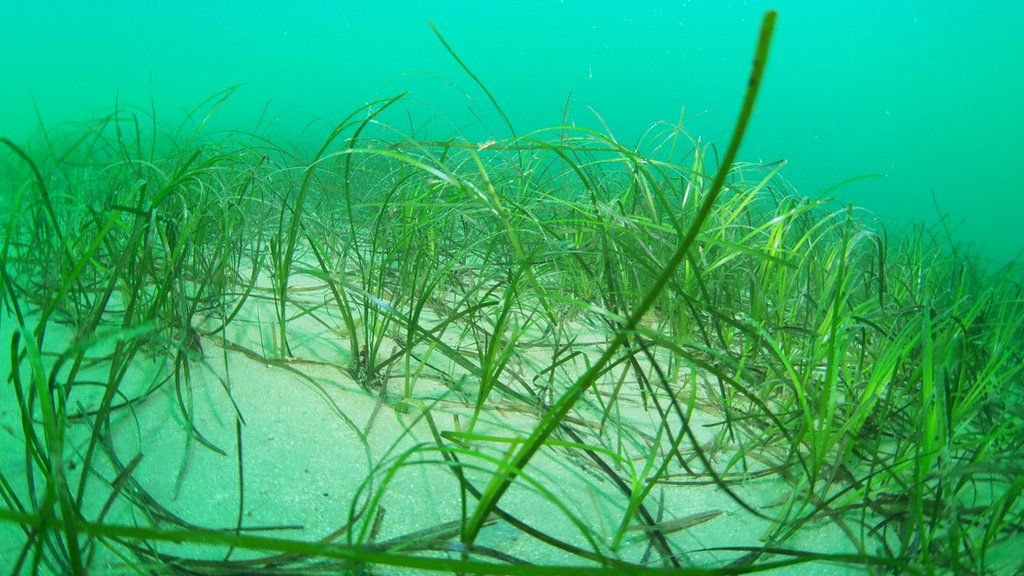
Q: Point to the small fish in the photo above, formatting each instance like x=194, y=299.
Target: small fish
x=381, y=304
x=486, y=145
x=670, y=526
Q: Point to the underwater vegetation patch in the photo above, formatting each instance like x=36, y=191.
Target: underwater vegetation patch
x=546, y=354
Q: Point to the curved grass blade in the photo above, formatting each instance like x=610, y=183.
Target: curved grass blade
x=500, y=483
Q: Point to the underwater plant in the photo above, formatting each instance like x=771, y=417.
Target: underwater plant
x=546, y=354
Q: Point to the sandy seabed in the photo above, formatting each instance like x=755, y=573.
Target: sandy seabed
x=321, y=454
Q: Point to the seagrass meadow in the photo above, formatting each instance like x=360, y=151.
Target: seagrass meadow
x=549, y=353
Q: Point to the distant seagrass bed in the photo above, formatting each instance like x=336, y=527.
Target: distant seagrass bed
x=546, y=353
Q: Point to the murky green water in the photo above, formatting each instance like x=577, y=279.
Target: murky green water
x=921, y=91
x=407, y=287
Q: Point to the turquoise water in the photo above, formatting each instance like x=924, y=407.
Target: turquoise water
x=925, y=93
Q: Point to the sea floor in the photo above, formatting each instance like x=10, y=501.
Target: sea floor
x=317, y=454
x=222, y=357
